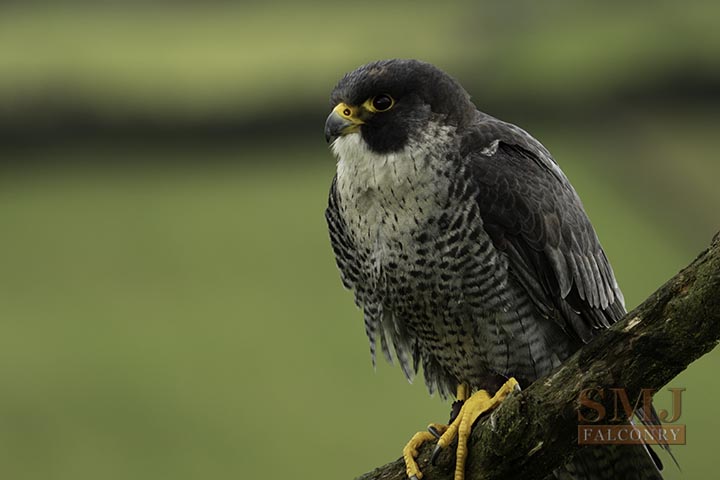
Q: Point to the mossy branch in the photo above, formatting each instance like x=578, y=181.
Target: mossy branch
x=536, y=431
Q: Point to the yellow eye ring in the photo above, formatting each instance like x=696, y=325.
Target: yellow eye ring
x=381, y=103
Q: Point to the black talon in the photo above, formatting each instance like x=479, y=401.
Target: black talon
x=434, y=432
x=455, y=410
x=435, y=454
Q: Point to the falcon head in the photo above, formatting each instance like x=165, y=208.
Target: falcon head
x=391, y=103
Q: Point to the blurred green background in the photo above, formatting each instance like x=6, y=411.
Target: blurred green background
x=170, y=305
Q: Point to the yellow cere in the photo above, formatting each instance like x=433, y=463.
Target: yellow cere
x=348, y=112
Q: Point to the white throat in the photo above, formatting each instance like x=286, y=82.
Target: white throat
x=385, y=197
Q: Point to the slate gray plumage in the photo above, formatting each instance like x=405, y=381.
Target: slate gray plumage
x=465, y=245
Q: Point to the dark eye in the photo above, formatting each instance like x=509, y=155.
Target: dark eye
x=382, y=103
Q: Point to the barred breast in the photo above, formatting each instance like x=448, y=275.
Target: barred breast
x=440, y=291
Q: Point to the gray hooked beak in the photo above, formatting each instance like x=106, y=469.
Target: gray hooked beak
x=342, y=120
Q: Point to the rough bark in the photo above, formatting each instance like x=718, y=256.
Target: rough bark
x=535, y=431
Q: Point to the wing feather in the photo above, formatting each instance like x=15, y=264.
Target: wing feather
x=533, y=214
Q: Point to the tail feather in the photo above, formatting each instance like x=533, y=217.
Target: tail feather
x=612, y=462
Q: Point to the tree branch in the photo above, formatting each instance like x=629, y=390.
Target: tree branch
x=536, y=431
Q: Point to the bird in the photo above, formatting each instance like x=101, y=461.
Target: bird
x=467, y=250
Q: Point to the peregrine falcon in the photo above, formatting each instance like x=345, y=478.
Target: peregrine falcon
x=467, y=249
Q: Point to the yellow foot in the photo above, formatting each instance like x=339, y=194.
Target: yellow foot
x=479, y=403
x=435, y=430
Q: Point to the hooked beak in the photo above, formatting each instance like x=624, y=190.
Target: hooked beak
x=343, y=120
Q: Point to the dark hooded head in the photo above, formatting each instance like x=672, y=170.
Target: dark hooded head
x=388, y=102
